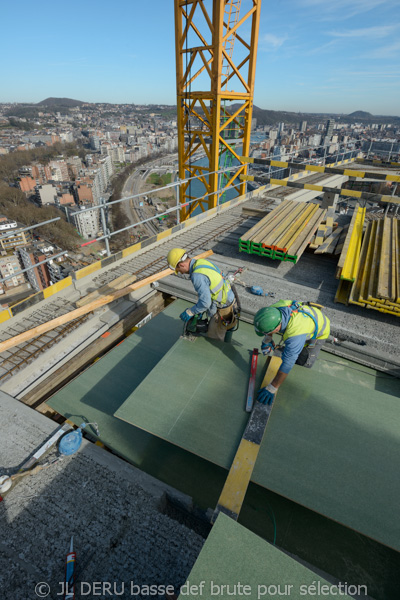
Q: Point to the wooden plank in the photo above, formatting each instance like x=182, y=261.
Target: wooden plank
x=347, y=240
x=272, y=223
x=233, y=493
x=294, y=213
x=116, y=284
x=320, y=235
x=289, y=236
x=341, y=241
x=272, y=216
x=386, y=276
x=303, y=240
x=78, y=312
x=374, y=269
x=250, y=211
x=329, y=242
x=352, y=259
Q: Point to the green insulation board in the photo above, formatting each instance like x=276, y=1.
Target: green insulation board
x=97, y=393
x=332, y=443
x=195, y=397
x=236, y=563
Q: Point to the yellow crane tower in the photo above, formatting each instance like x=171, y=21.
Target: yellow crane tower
x=215, y=70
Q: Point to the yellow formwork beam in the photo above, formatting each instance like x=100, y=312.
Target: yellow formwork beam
x=351, y=262
x=233, y=493
x=293, y=231
x=377, y=275
x=386, y=276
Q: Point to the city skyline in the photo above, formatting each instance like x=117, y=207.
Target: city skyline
x=312, y=56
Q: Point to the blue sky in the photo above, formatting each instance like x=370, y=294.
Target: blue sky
x=313, y=55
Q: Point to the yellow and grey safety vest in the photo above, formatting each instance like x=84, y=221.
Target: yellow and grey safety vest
x=305, y=320
x=219, y=287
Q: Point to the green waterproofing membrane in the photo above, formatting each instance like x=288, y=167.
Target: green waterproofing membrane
x=97, y=393
x=195, y=397
x=357, y=501
x=235, y=563
x=332, y=443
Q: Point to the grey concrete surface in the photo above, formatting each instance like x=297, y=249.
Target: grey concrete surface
x=111, y=509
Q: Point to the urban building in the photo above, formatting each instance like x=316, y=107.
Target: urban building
x=88, y=222
x=46, y=194
x=38, y=276
x=8, y=266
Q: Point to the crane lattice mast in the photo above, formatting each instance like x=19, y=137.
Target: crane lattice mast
x=215, y=62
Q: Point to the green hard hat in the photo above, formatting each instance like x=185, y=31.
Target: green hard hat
x=266, y=320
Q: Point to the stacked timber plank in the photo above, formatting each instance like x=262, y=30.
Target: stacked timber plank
x=350, y=255
x=332, y=243
x=285, y=232
x=377, y=281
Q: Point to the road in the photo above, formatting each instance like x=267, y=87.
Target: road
x=132, y=208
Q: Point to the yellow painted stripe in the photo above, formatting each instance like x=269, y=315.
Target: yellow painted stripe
x=4, y=316
x=246, y=159
x=392, y=177
x=391, y=199
x=278, y=182
x=57, y=287
x=278, y=163
x=232, y=495
x=131, y=249
x=352, y=173
x=354, y=193
x=315, y=188
x=88, y=270
x=246, y=178
x=163, y=234
x=315, y=168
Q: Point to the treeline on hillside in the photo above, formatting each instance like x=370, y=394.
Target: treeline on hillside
x=15, y=206
x=119, y=218
x=10, y=163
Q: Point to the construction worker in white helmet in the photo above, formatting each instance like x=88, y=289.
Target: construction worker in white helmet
x=215, y=295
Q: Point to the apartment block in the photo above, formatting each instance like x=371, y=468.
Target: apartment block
x=38, y=276
x=88, y=222
x=8, y=266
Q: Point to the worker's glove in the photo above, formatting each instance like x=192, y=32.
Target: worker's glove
x=186, y=315
x=266, y=394
x=268, y=345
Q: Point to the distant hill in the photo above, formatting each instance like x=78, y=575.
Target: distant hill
x=64, y=102
x=360, y=114
x=272, y=117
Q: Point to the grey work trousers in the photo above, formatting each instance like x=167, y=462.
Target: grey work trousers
x=309, y=354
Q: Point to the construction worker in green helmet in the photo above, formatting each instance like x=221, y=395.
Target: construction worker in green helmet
x=304, y=329
x=215, y=295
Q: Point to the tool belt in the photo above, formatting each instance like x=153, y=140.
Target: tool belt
x=229, y=315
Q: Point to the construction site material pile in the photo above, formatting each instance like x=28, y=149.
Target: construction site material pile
x=376, y=283
x=285, y=232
